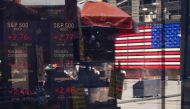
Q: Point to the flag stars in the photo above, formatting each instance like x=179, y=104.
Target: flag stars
x=171, y=39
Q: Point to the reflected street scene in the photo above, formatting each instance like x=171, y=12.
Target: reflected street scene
x=94, y=54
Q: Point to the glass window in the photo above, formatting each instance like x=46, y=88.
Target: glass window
x=91, y=54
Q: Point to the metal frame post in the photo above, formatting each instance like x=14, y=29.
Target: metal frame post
x=185, y=52
x=163, y=72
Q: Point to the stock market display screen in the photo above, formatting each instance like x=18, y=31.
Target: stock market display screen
x=19, y=52
x=62, y=44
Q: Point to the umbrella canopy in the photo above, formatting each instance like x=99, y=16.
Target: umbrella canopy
x=103, y=14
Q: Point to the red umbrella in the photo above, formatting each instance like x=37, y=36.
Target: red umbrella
x=103, y=14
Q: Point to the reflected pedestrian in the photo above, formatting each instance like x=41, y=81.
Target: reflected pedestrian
x=167, y=80
x=178, y=79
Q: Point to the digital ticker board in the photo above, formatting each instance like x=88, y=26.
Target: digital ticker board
x=19, y=54
x=62, y=44
x=18, y=31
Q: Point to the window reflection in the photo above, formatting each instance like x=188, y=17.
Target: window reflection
x=19, y=67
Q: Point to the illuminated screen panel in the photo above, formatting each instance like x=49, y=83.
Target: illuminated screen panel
x=18, y=61
x=62, y=44
x=144, y=49
x=18, y=32
x=18, y=52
